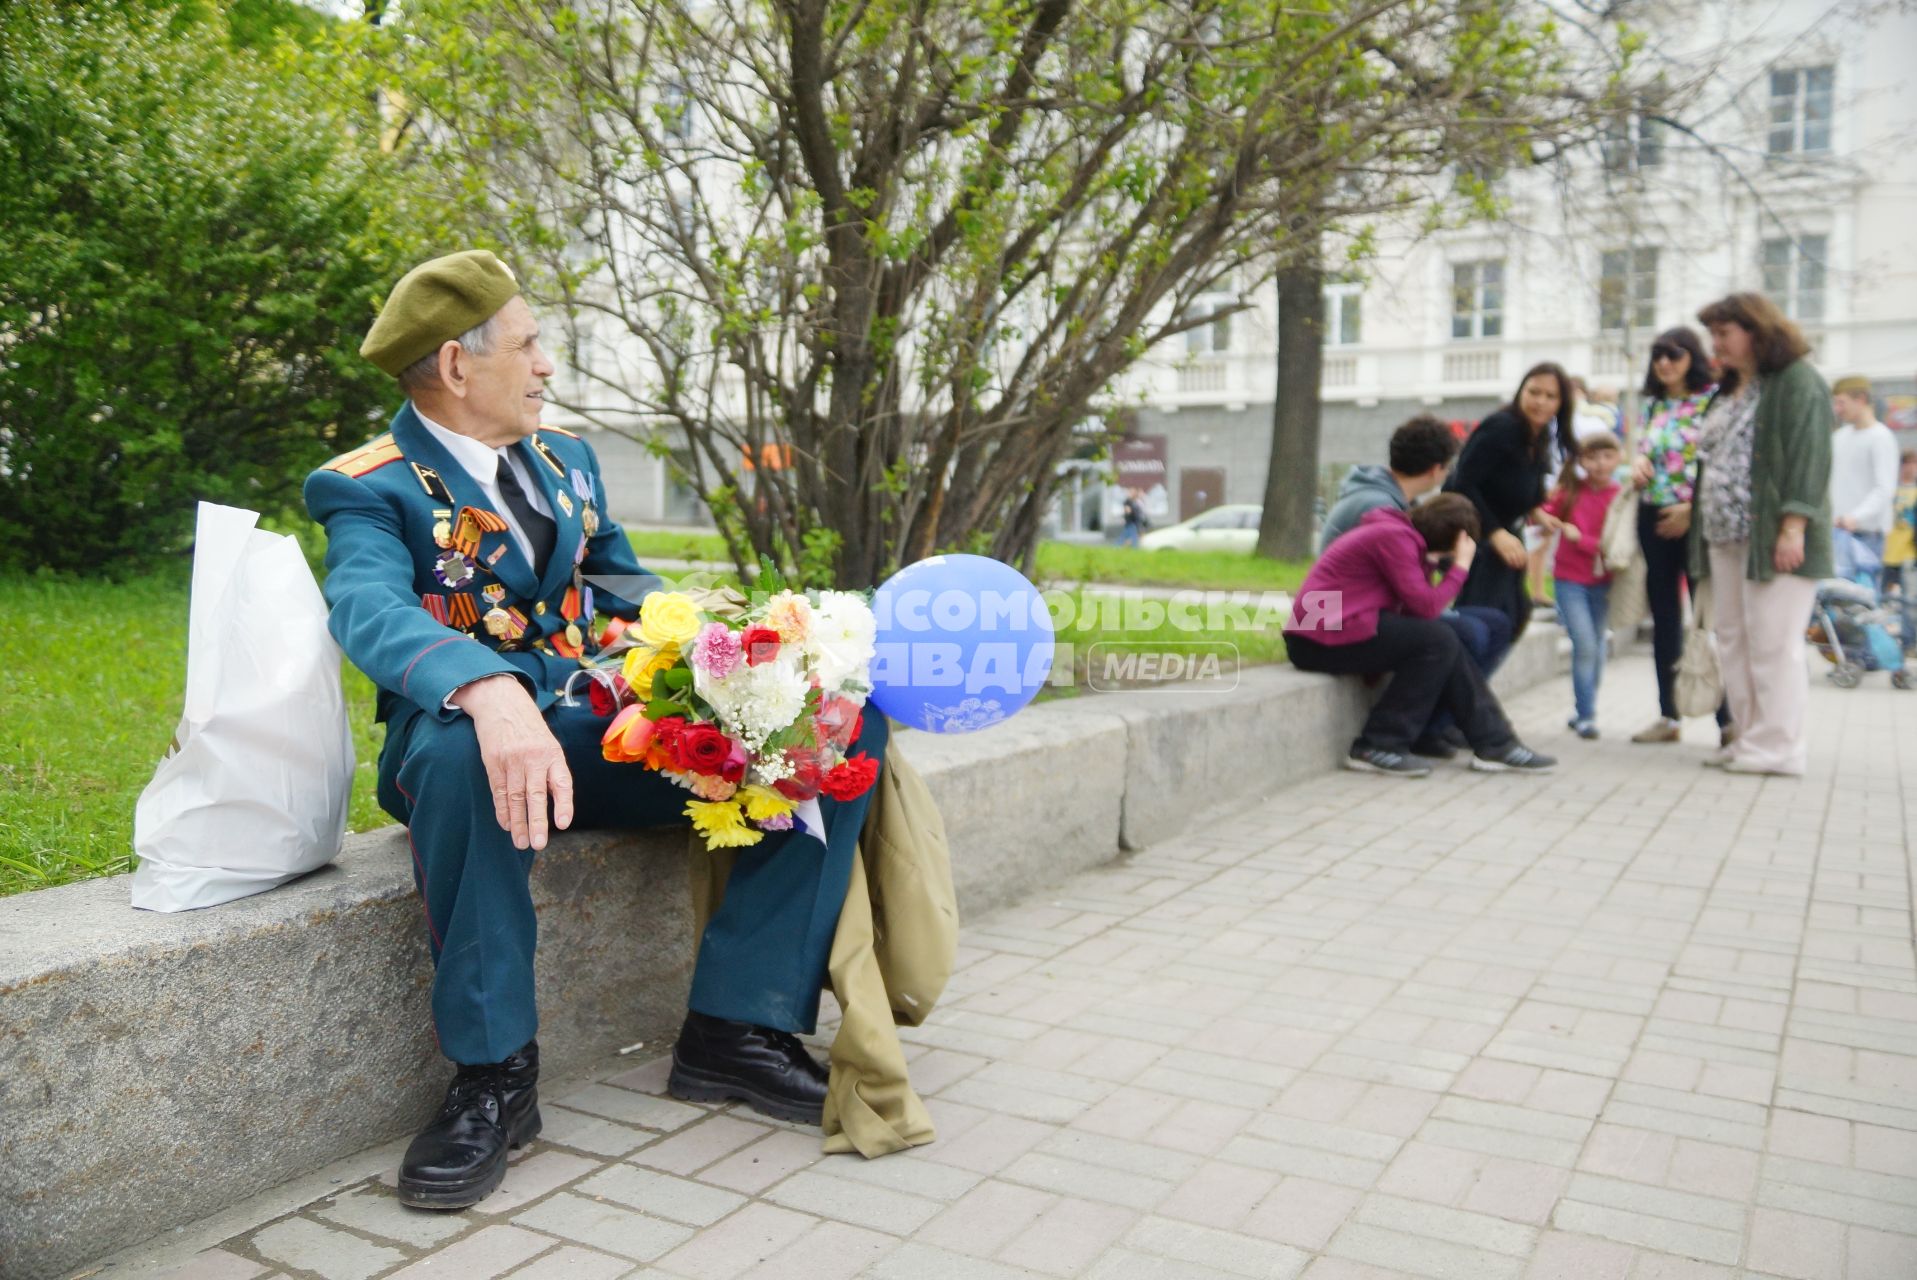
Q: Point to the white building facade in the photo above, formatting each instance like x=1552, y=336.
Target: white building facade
x=1800, y=181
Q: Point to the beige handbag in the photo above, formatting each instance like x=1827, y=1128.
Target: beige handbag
x=1700, y=685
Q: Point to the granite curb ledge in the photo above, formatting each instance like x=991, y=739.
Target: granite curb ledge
x=155, y=1068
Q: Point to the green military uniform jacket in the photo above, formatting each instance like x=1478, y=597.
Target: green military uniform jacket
x=1790, y=475
x=429, y=591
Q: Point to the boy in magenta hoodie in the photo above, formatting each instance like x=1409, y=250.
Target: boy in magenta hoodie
x=1369, y=607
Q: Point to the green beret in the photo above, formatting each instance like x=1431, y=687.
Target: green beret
x=436, y=302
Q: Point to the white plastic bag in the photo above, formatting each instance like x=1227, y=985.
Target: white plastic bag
x=254, y=789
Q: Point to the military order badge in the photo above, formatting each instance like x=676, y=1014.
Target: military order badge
x=453, y=569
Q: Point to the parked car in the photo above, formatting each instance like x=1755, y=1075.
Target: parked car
x=1233, y=527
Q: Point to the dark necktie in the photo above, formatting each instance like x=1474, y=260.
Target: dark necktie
x=539, y=529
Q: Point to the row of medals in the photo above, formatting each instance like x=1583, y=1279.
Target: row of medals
x=454, y=569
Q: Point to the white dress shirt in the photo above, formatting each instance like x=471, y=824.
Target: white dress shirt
x=482, y=463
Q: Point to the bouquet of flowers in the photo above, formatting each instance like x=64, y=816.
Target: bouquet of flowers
x=754, y=710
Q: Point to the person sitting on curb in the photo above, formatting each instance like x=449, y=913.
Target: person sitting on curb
x=1421, y=453
x=458, y=546
x=1369, y=607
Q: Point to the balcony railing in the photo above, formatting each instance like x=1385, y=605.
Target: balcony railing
x=1206, y=373
x=1339, y=371
x=1609, y=360
x=1471, y=366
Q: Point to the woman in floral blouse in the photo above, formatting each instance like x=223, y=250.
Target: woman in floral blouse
x=1677, y=387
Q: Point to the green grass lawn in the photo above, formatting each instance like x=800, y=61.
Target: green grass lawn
x=92, y=675
x=1069, y=562
x=1212, y=570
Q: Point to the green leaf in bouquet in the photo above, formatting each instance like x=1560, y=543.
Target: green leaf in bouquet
x=769, y=582
x=659, y=708
x=673, y=679
x=790, y=736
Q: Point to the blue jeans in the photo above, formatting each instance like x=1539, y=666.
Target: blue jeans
x=1486, y=634
x=1584, y=611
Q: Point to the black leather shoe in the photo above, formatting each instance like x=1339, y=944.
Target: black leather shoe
x=460, y=1158
x=721, y=1061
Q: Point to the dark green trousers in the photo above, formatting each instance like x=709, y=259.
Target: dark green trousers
x=761, y=959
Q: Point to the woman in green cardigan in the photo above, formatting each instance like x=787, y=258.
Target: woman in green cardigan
x=1761, y=525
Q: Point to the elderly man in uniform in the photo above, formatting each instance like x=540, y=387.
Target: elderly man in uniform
x=462, y=549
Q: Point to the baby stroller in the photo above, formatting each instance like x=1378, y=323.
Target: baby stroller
x=1849, y=624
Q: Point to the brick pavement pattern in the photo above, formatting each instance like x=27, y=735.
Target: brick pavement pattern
x=1638, y=1021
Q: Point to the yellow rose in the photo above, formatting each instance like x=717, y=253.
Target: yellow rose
x=722, y=824
x=763, y=802
x=643, y=664
x=668, y=618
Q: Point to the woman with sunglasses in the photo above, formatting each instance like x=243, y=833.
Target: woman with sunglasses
x=1678, y=387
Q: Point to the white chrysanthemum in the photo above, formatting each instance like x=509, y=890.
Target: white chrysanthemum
x=755, y=702
x=842, y=641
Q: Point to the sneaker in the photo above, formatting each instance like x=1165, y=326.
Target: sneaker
x=1516, y=758
x=1586, y=729
x=1365, y=759
x=1659, y=730
x=1720, y=758
x=1433, y=749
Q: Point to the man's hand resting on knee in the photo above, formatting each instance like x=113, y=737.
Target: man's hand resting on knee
x=524, y=765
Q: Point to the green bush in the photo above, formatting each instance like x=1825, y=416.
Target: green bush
x=192, y=236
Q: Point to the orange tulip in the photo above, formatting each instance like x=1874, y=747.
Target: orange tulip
x=628, y=736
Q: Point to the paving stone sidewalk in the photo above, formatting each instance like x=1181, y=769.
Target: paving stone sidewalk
x=1638, y=1021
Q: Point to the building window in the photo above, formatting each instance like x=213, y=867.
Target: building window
x=1344, y=313
x=1632, y=143
x=1794, y=275
x=1627, y=290
x=1213, y=337
x=1477, y=299
x=1800, y=111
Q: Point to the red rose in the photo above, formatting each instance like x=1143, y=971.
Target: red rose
x=607, y=699
x=761, y=644
x=851, y=779
x=700, y=748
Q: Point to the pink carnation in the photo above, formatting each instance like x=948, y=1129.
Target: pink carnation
x=779, y=822
x=717, y=652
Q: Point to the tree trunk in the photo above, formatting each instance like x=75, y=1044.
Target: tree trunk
x=1291, y=480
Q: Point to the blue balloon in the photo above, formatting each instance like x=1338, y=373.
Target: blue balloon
x=963, y=642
